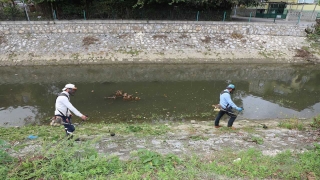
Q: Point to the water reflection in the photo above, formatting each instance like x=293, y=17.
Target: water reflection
x=264, y=108
x=167, y=92
x=17, y=116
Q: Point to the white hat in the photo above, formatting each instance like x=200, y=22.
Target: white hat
x=69, y=86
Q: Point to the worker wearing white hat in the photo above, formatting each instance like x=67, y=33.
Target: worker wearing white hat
x=64, y=108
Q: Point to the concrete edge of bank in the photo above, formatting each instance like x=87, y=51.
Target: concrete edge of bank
x=157, y=61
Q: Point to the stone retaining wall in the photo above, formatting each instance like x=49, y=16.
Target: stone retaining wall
x=126, y=26
x=69, y=42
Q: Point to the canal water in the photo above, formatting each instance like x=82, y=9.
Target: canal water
x=164, y=92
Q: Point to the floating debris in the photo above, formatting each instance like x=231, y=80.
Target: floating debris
x=125, y=96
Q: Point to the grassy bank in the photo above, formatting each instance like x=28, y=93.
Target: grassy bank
x=55, y=157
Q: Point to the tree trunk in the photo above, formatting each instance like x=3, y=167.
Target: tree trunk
x=53, y=16
x=57, y=15
x=86, y=8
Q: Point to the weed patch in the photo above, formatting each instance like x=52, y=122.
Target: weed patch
x=206, y=39
x=183, y=36
x=292, y=124
x=264, y=54
x=141, y=129
x=316, y=122
x=257, y=140
x=243, y=41
x=134, y=128
x=198, y=138
x=5, y=158
x=313, y=35
x=303, y=53
x=87, y=41
x=206, y=114
x=150, y=160
x=3, y=39
x=130, y=51
x=236, y=35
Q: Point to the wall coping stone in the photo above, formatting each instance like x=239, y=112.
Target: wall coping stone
x=57, y=22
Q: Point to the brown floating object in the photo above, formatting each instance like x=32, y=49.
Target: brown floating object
x=119, y=93
x=125, y=96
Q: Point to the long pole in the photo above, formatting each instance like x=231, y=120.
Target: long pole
x=197, y=15
x=315, y=5
x=299, y=17
x=25, y=9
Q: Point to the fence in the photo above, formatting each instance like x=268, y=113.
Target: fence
x=290, y=15
x=10, y=13
x=244, y=12
x=294, y=15
x=271, y=15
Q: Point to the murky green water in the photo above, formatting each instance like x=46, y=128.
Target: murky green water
x=168, y=91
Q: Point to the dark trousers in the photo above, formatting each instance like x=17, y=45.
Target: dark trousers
x=229, y=113
x=67, y=124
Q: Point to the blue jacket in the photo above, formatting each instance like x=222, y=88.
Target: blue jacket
x=225, y=100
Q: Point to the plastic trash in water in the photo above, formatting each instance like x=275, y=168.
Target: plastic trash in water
x=32, y=137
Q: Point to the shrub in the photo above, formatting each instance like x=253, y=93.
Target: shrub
x=316, y=122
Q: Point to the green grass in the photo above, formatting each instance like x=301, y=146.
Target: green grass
x=59, y=158
x=132, y=52
x=198, y=138
x=257, y=140
x=250, y=130
x=70, y=160
x=292, y=124
x=254, y=164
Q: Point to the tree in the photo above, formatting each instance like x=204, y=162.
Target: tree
x=135, y=8
x=12, y=10
x=213, y=3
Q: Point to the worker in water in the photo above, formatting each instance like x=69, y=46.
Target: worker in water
x=227, y=105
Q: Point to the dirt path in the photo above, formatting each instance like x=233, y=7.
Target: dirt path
x=202, y=138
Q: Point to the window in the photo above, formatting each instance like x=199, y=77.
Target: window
x=307, y=1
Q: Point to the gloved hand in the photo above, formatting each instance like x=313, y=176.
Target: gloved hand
x=84, y=117
x=239, y=109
